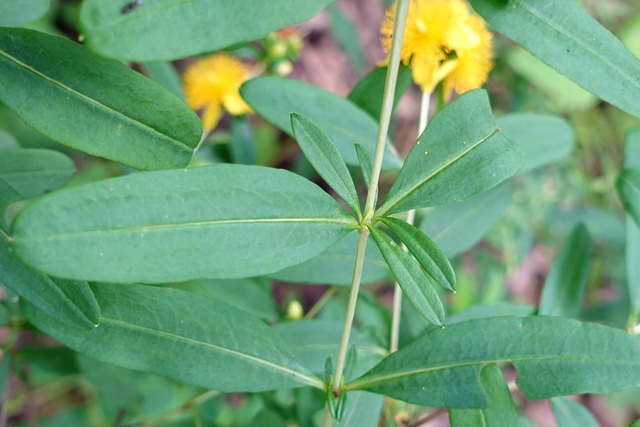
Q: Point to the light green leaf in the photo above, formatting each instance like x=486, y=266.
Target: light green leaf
x=415, y=284
x=94, y=104
x=459, y=226
x=161, y=30
x=544, y=138
x=346, y=35
x=367, y=93
x=565, y=284
x=226, y=221
x=366, y=163
x=335, y=265
x=166, y=75
x=243, y=142
x=7, y=140
x=461, y=153
x=150, y=328
x=632, y=244
x=426, y=252
x=442, y=367
x=67, y=302
x=563, y=35
x=628, y=185
x=14, y=13
x=571, y=414
x=363, y=410
x=323, y=154
x=33, y=172
x=501, y=413
x=275, y=98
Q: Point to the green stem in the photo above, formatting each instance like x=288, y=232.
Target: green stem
x=324, y=299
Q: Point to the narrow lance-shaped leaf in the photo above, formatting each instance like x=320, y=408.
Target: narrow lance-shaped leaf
x=94, y=104
x=323, y=154
x=460, y=153
x=157, y=30
x=501, y=413
x=367, y=93
x=442, y=367
x=33, y=172
x=226, y=221
x=565, y=284
x=571, y=414
x=632, y=244
x=150, y=328
x=628, y=185
x=68, y=302
x=366, y=166
x=426, y=252
x=8, y=195
x=563, y=35
x=414, y=282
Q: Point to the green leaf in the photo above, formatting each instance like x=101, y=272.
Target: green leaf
x=7, y=140
x=33, y=172
x=67, y=302
x=158, y=30
x=94, y=104
x=362, y=410
x=243, y=142
x=459, y=226
x=367, y=93
x=14, y=13
x=323, y=154
x=426, y=252
x=563, y=35
x=346, y=35
x=8, y=195
x=632, y=244
x=335, y=265
x=484, y=310
x=151, y=329
x=442, y=367
x=226, y=221
x=543, y=138
x=571, y=414
x=461, y=153
x=501, y=413
x=366, y=163
x=275, y=98
x=564, y=287
x=628, y=186
x=166, y=75
x=415, y=284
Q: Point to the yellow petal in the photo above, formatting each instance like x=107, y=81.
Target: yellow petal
x=234, y=104
x=211, y=116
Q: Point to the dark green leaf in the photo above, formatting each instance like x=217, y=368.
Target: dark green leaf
x=414, y=282
x=565, y=284
x=94, y=104
x=226, y=221
x=323, y=154
x=442, y=367
x=243, y=142
x=426, y=252
x=563, y=35
x=458, y=227
x=571, y=414
x=166, y=75
x=366, y=163
x=275, y=98
x=158, y=30
x=367, y=93
x=5, y=370
x=628, y=185
x=501, y=413
x=544, y=138
x=14, y=13
x=8, y=195
x=180, y=335
x=67, y=302
x=33, y=172
x=461, y=153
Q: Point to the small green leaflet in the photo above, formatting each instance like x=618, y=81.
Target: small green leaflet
x=35, y=171
x=628, y=185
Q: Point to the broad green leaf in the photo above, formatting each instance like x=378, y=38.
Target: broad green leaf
x=415, y=284
x=426, y=252
x=501, y=413
x=628, y=185
x=164, y=30
x=442, y=367
x=7, y=140
x=335, y=265
x=275, y=98
x=346, y=35
x=564, y=287
x=226, y=221
x=367, y=93
x=33, y=172
x=323, y=154
x=14, y=13
x=569, y=413
x=166, y=75
x=366, y=163
x=151, y=328
x=94, y=104
x=544, y=138
x=461, y=153
x=459, y=226
x=8, y=195
x=632, y=244
x=563, y=35
x=67, y=302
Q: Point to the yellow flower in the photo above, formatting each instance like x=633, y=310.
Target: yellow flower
x=212, y=84
x=443, y=42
